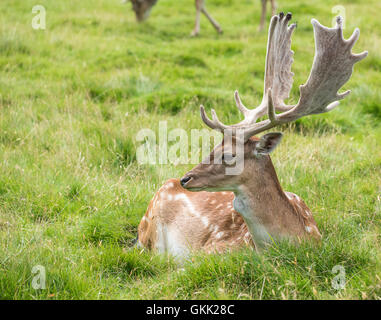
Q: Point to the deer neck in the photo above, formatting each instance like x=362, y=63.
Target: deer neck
x=265, y=208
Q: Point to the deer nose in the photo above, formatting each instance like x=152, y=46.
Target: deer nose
x=184, y=180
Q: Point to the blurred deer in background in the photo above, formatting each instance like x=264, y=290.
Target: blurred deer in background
x=227, y=211
x=263, y=15
x=143, y=8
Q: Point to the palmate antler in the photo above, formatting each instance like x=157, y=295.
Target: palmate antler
x=331, y=69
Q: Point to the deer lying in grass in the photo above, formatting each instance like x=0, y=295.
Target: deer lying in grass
x=143, y=9
x=231, y=210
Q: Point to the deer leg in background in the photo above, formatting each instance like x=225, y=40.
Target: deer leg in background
x=199, y=5
x=212, y=21
x=273, y=7
x=263, y=16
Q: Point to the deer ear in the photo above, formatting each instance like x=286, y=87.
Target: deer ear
x=268, y=143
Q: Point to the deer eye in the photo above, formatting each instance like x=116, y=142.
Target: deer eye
x=228, y=158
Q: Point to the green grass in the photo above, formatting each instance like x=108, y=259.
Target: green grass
x=72, y=98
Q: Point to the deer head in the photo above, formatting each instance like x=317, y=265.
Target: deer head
x=331, y=69
x=142, y=8
x=253, y=159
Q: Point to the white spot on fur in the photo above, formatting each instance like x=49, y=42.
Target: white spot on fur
x=215, y=229
x=183, y=197
x=170, y=240
x=308, y=229
x=205, y=221
x=219, y=235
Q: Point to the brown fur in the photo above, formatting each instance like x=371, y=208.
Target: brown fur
x=208, y=221
x=216, y=207
x=281, y=214
x=304, y=214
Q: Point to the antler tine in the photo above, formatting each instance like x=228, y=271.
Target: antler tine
x=269, y=123
x=278, y=76
x=332, y=68
x=214, y=123
x=239, y=104
x=264, y=125
x=333, y=55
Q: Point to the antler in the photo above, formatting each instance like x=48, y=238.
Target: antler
x=331, y=69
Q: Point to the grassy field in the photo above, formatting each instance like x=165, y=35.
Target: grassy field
x=72, y=98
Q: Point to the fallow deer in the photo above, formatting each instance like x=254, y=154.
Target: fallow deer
x=227, y=211
x=143, y=9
